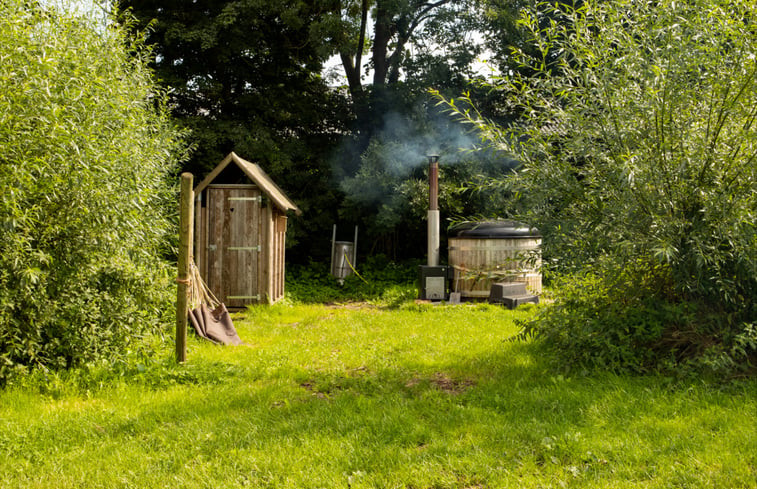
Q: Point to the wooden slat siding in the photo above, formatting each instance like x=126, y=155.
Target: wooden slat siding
x=262, y=279
x=278, y=263
x=251, y=234
x=263, y=268
x=234, y=269
x=214, y=263
x=275, y=260
x=269, y=251
x=485, y=255
x=197, y=241
x=283, y=251
x=204, y=239
x=281, y=225
x=244, y=223
x=280, y=248
x=269, y=231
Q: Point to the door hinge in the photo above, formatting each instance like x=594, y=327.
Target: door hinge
x=251, y=199
x=244, y=248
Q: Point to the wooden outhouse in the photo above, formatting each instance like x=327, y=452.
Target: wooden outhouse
x=240, y=233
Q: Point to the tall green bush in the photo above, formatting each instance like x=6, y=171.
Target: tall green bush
x=86, y=151
x=636, y=132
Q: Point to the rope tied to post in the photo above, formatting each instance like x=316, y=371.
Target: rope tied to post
x=199, y=292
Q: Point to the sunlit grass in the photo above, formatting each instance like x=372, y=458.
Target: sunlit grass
x=418, y=396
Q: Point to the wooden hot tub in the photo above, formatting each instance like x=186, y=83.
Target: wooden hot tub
x=483, y=253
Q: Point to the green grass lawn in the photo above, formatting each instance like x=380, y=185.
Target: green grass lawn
x=349, y=397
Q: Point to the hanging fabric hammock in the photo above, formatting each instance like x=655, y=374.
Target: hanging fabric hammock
x=208, y=315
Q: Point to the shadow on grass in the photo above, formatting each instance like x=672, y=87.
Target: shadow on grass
x=382, y=406
x=461, y=422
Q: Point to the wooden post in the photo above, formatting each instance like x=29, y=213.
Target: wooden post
x=354, y=251
x=333, y=245
x=185, y=251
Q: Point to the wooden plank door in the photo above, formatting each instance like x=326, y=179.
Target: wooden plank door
x=234, y=244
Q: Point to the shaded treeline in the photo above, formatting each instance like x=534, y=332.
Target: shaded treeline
x=248, y=76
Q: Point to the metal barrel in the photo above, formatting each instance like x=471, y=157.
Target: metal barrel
x=340, y=261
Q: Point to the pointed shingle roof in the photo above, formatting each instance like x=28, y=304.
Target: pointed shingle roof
x=258, y=177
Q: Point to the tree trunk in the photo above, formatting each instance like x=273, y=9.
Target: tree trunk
x=381, y=37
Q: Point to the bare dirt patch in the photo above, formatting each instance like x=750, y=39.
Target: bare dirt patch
x=313, y=389
x=444, y=383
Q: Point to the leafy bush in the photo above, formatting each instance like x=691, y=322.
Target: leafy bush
x=636, y=132
x=618, y=318
x=85, y=154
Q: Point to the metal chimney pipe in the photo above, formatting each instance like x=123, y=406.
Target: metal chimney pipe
x=433, y=183
x=433, y=210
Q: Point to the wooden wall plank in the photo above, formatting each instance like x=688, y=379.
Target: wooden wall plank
x=214, y=267
x=267, y=259
x=195, y=254
x=203, y=251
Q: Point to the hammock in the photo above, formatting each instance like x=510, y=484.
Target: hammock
x=207, y=314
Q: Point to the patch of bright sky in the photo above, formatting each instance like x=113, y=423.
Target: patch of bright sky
x=85, y=8
x=333, y=70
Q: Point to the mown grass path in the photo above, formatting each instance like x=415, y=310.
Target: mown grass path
x=415, y=397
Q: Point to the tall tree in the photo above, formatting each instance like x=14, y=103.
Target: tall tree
x=396, y=26
x=411, y=46
x=244, y=75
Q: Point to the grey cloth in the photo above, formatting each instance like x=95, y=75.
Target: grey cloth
x=215, y=325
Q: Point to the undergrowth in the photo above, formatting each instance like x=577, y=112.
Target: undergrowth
x=378, y=280
x=622, y=321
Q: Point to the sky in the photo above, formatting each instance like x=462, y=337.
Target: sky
x=83, y=7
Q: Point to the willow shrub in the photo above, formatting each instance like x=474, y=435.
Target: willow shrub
x=636, y=133
x=86, y=151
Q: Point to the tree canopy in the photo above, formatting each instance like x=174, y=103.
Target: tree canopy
x=244, y=75
x=247, y=75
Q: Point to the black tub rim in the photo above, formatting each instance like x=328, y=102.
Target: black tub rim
x=501, y=229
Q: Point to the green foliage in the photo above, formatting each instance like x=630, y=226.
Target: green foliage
x=380, y=281
x=383, y=164
x=638, y=144
x=248, y=76
x=618, y=318
x=245, y=76
x=86, y=150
